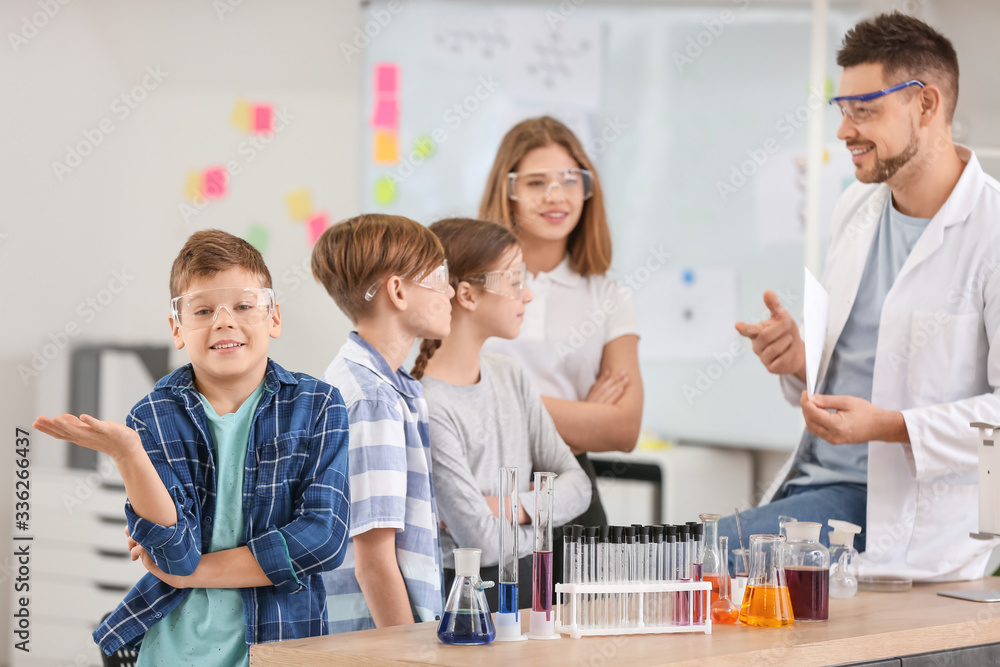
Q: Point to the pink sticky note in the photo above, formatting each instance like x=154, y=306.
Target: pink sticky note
x=216, y=182
x=386, y=115
x=386, y=80
x=263, y=118
x=316, y=225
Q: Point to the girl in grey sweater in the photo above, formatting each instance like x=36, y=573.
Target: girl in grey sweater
x=484, y=410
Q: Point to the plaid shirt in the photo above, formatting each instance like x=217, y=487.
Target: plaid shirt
x=295, y=502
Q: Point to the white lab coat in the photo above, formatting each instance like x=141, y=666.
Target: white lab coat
x=937, y=361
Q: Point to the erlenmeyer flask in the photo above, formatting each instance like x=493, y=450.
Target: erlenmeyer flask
x=766, y=602
x=466, y=618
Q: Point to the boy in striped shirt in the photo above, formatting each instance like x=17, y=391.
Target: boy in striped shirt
x=388, y=275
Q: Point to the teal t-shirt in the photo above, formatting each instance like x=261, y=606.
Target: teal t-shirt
x=209, y=627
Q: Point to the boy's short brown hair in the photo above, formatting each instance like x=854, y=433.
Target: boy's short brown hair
x=353, y=255
x=210, y=251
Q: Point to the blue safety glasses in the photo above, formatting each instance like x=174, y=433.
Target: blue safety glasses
x=859, y=107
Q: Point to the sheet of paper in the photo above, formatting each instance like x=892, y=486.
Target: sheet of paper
x=465, y=42
x=559, y=62
x=815, y=312
x=316, y=226
x=687, y=314
x=299, y=204
x=780, y=193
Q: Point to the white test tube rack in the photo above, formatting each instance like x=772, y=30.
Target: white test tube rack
x=565, y=597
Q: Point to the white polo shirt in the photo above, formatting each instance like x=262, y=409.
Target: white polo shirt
x=565, y=329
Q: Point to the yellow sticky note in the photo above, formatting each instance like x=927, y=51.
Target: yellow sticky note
x=386, y=148
x=385, y=190
x=299, y=204
x=193, y=181
x=240, y=116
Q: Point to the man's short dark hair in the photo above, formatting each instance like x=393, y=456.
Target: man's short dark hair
x=907, y=48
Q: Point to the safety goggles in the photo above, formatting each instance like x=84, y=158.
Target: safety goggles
x=530, y=186
x=435, y=279
x=862, y=108
x=505, y=282
x=200, y=310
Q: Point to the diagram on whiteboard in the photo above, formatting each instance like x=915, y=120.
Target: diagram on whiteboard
x=560, y=63
x=471, y=42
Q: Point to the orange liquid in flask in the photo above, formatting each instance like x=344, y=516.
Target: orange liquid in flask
x=766, y=607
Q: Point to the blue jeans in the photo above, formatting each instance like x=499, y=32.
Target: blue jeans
x=846, y=502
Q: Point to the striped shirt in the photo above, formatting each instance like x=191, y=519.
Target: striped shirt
x=295, y=509
x=390, y=469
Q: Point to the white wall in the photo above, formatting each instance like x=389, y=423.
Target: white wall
x=61, y=242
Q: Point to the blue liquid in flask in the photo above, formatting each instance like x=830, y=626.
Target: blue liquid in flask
x=508, y=598
x=466, y=627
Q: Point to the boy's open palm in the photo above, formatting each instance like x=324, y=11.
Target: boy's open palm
x=114, y=439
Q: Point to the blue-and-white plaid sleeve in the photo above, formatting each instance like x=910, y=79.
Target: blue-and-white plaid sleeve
x=315, y=540
x=175, y=549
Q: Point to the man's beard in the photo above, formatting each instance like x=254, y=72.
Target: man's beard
x=887, y=168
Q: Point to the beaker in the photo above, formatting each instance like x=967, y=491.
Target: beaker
x=711, y=563
x=466, y=618
x=807, y=571
x=508, y=616
x=766, y=603
x=542, y=622
x=723, y=610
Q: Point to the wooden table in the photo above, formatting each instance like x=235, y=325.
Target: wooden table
x=868, y=627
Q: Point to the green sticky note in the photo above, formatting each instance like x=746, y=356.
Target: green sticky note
x=257, y=236
x=424, y=146
x=385, y=190
x=828, y=92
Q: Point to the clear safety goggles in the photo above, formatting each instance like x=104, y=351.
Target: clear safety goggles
x=862, y=108
x=505, y=282
x=200, y=310
x=435, y=279
x=532, y=186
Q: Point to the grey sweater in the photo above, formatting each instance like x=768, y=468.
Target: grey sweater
x=476, y=429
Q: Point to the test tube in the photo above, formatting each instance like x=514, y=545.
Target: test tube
x=590, y=576
x=508, y=624
x=657, y=573
x=700, y=608
x=670, y=603
x=570, y=609
x=542, y=621
x=682, y=610
x=644, y=563
x=602, y=574
x=621, y=568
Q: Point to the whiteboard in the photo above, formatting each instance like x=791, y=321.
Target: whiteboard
x=696, y=120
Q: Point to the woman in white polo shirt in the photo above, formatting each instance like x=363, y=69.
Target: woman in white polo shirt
x=580, y=336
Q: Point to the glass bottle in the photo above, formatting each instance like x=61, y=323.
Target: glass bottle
x=766, y=603
x=711, y=563
x=723, y=610
x=466, y=618
x=807, y=571
x=843, y=559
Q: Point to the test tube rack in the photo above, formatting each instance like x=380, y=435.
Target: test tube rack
x=572, y=599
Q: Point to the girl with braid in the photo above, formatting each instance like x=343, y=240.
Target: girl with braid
x=485, y=411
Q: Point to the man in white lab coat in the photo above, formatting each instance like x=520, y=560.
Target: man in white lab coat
x=909, y=358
